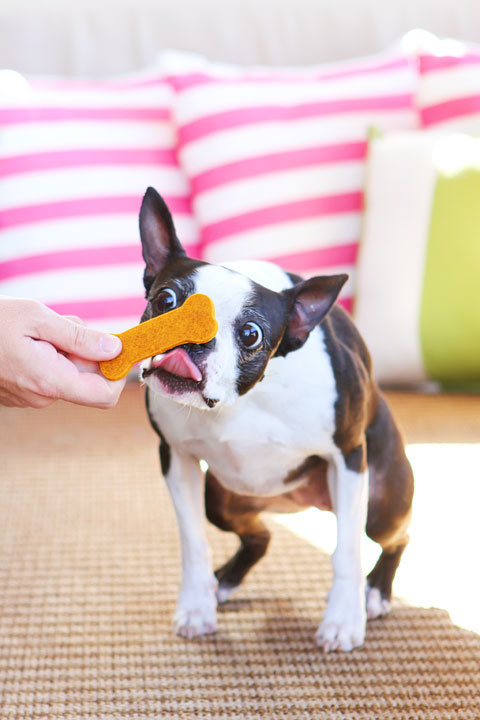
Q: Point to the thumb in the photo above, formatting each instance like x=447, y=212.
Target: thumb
x=77, y=339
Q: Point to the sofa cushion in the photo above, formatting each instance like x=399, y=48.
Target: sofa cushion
x=75, y=160
x=449, y=87
x=418, y=292
x=275, y=157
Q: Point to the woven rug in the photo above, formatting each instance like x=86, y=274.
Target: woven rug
x=89, y=572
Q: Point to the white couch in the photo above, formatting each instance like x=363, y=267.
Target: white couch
x=98, y=37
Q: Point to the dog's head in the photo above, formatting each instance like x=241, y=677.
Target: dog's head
x=255, y=322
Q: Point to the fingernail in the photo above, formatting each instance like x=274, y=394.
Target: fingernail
x=110, y=343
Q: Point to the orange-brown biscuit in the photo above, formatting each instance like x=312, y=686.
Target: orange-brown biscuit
x=192, y=322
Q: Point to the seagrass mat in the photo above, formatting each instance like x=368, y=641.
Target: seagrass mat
x=89, y=572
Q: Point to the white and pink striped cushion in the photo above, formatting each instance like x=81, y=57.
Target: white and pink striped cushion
x=449, y=89
x=75, y=160
x=276, y=158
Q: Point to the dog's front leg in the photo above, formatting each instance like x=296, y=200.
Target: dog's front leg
x=196, y=612
x=343, y=625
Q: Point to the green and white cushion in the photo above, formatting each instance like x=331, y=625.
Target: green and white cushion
x=418, y=302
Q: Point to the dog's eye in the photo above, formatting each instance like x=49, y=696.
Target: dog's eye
x=166, y=300
x=251, y=335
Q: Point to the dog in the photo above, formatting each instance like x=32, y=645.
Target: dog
x=283, y=408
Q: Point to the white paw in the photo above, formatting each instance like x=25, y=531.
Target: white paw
x=224, y=593
x=197, y=610
x=343, y=625
x=194, y=622
x=376, y=605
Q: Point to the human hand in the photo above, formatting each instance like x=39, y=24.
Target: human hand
x=46, y=357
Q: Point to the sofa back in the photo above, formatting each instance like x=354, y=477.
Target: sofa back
x=99, y=37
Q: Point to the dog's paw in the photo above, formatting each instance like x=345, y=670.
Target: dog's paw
x=225, y=592
x=194, y=622
x=343, y=625
x=376, y=605
x=340, y=635
x=196, y=612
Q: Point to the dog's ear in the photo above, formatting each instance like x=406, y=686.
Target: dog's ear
x=157, y=232
x=309, y=302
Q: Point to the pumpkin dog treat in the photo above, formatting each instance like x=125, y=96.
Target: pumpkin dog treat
x=192, y=322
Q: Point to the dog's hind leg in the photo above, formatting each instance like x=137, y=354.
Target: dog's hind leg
x=389, y=508
x=380, y=579
x=387, y=524
x=238, y=514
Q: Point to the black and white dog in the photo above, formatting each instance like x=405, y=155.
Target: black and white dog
x=282, y=406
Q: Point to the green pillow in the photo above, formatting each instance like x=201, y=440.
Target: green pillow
x=418, y=298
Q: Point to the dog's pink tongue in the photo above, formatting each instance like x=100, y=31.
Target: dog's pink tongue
x=178, y=362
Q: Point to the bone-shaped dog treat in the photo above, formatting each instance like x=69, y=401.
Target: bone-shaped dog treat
x=192, y=322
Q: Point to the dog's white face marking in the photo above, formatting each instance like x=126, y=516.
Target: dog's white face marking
x=230, y=292
x=264, y=273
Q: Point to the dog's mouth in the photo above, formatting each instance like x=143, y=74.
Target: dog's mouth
x=178, y=374
x=179, y=363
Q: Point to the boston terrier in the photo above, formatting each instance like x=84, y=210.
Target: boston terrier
x=282, y=407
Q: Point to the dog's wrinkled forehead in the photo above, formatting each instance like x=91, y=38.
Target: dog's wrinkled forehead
x=229, y=291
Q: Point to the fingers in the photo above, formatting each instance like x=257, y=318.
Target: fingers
x=56, y=377
x=81, y=385
x=114, y=389
x=75, y=319
x=84, y=365
x=23, y=399
x=83, y=388
x=94, y=391
x=45, y=357
x=70, y=335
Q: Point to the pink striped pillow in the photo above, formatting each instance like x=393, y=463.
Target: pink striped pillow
x=449, y=90
x=276, y=157
x=75, y=160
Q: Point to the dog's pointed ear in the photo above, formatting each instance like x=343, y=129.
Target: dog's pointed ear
x=157, y=232
x=309, y=302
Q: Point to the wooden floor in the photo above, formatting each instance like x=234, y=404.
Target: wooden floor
x=444, y=418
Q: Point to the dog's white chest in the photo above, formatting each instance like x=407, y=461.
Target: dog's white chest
x=253, y=445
